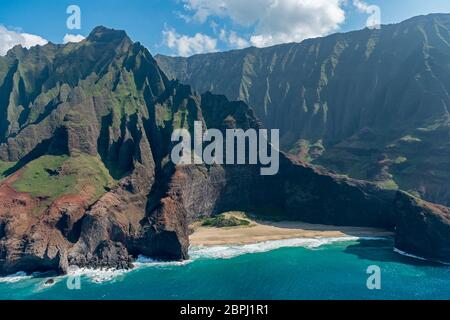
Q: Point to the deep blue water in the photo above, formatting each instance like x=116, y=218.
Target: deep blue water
x=331, y=271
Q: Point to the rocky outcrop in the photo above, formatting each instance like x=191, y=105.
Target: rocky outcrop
x=29, y=242
x=422, y=228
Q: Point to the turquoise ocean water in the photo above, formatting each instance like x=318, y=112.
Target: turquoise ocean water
x=290, y=269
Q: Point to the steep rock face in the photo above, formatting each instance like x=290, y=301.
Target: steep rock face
x=112, y=224
x=29, y=242
x=422, y=228
x=297, y=192
x=372, y=104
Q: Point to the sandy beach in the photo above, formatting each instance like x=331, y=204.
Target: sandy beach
x=260, y=231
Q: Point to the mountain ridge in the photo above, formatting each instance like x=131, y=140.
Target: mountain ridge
x=359, y=103
x=412, y=19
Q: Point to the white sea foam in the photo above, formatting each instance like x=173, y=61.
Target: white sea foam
x=225, y=252
x=97, y=275
x=216, y=252
x=143, y=261
x=19, y=276
x=409, y=255
x=107, y=275
x=230, y=251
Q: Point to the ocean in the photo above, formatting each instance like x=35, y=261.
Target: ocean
x=285, y=269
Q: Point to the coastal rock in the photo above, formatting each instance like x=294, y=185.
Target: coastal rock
x=422, y=228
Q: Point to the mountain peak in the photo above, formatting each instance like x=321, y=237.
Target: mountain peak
x=102, y=33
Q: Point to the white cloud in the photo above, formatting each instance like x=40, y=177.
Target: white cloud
x=11, y=38
x=361, y=6
x=244, y=12
x=374, y=20
x=232, y=39
x=274, y=21
x=73, y=38
x=185, y=45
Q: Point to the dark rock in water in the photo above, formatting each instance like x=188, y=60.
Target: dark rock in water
x=49, y=282
x=102, y=114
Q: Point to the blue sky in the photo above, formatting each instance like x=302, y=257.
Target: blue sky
x=192, y=26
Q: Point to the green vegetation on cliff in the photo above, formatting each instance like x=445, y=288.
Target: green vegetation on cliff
x=4, y=167
x=226, y=220
x=50, y=177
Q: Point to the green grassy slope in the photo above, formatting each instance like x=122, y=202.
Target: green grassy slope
x=50, y=177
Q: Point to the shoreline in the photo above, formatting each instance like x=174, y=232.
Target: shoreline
x=263, y=231
x=101, y=275
x=228, y=242
x=230, y=249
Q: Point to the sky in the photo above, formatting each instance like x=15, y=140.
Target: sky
x=187, y=27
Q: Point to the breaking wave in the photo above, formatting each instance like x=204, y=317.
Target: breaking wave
x=19, y=276
x=409, y=255
x=98, y=275
x=226, y=252
x=143, y=261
